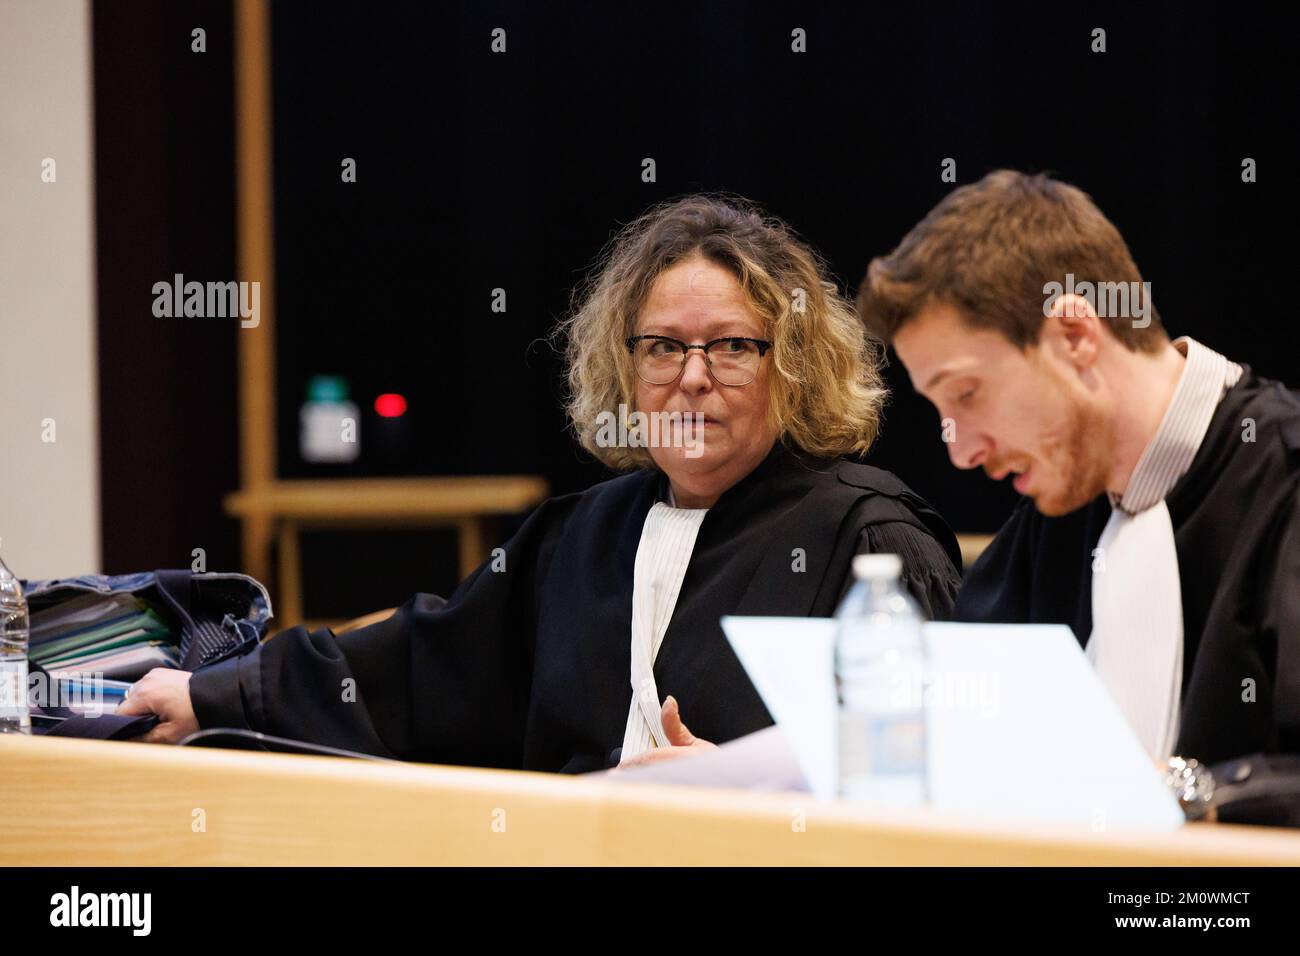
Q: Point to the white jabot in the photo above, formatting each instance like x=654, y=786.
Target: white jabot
x=664, y=553
x=1136, y=644
x=1137, y=623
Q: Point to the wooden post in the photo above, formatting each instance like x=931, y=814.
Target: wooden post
x=256, y=345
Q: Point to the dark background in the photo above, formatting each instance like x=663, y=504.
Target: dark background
x=478, y=170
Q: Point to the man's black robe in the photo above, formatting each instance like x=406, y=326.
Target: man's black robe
x=1236, y=519
x=529, y=667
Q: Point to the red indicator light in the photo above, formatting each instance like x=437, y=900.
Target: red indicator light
x=390, y=405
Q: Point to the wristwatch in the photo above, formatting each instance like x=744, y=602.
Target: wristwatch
x=1192, y=784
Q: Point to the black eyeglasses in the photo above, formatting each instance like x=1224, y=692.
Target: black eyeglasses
x=733, y=361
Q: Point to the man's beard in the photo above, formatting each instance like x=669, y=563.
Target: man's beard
x=1082, y=460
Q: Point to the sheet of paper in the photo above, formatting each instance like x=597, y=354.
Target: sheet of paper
x=1018, y=727
x=760, y=761
x=792, y=671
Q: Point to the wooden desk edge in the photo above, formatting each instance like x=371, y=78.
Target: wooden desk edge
x=385, y=813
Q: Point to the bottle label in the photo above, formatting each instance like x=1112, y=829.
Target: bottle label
x=898, y=745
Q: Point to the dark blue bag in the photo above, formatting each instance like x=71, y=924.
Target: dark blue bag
x=218, y=615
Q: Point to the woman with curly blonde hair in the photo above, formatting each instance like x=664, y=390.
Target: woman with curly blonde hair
x=711, y=358
x=823, y=389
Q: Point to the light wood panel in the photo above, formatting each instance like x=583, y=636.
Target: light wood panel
x=79, y=802
x=972, y=546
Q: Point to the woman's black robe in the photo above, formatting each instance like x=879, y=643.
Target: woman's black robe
x=528, y=665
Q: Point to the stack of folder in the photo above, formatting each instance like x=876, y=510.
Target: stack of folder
x=108, y=639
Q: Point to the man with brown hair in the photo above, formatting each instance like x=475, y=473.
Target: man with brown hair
x=1161, y=519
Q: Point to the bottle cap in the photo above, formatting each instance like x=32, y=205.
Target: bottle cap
x=327, y=388
x=877, y=566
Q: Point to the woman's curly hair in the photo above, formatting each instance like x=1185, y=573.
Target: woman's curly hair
x=827, y=393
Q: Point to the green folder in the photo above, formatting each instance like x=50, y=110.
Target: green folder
x=144, y=626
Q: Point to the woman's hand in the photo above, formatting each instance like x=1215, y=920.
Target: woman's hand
x=684, y=743
x=164, y=691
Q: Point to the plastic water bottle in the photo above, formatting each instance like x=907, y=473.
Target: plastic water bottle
x=880, y=673
x=14, y=718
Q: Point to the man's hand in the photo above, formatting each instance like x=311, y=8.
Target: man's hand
x=679, y=736
x=164, y=691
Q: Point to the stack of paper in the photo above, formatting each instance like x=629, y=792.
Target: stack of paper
x=1019, y=727
x=116, y=636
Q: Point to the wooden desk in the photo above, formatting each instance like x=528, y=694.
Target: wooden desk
x=91, y=803
x=465, y=503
